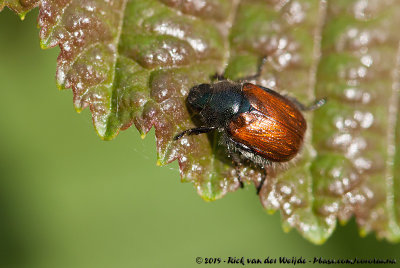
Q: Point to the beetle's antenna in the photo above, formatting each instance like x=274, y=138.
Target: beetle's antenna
x=257, y=74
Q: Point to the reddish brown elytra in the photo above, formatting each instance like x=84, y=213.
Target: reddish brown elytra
x=274, y=129
x=257, y=123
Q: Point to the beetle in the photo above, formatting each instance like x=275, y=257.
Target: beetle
x=257, y=123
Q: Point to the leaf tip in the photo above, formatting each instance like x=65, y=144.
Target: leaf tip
x=319, y=242
x=77, y=109
x=44, y=42
x=363, y=232
x=271, y=211
x=22, y=16
x=286, y=229
x=43, y=46
x=60, y=87
x=206, y=193
x=207, y=198
x=105, y=138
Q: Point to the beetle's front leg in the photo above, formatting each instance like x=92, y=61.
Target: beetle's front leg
x=262, y=181
x=194, y=131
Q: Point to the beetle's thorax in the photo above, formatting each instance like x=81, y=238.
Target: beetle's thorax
x=218, y=103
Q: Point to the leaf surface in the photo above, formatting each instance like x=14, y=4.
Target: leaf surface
x=134, y=62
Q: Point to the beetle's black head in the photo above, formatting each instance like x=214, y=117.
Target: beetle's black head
x=199, y=97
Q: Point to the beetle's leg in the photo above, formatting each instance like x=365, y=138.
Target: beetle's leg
x=257, y=74
x=236, y=162
x=219, y=77
x=262, y=181
x=194, y=131
x=315, y=105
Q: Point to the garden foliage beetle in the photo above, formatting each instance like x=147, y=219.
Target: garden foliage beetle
x=256, y=123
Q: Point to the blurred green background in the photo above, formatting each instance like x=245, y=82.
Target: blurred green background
x=68, y=199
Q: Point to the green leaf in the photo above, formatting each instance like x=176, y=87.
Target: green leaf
x=351, y=170
x=354, y=170
x=134, y=62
